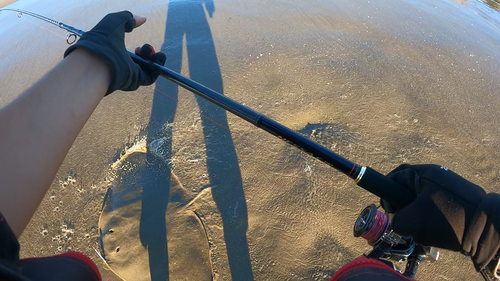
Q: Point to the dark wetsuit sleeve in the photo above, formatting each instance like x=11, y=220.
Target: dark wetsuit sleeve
x=67, y=266
x=9, y=253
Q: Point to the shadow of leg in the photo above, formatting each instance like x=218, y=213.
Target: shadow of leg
x=188, y=18
x=156, y=190
x=222, y=161
x=153, y=229
x=227, y=188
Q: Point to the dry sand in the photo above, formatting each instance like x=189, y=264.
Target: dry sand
x=4, y=3
x=380, y=83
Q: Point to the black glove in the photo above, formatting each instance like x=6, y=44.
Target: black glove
x=106, y=40
x=449, y=212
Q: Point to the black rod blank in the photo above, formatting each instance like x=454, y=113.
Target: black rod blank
x=365, y=177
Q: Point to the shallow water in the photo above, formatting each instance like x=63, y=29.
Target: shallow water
x=388, y=82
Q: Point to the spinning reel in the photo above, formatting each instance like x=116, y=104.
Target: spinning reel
x=392, y=248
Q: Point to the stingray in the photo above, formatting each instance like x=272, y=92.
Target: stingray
x=131, y=241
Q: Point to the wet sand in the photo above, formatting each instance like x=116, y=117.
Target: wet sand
x=380, y=83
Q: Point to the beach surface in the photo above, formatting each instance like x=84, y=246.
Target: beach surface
x=381, y=83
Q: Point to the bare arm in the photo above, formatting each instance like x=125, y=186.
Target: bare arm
x=38, y=128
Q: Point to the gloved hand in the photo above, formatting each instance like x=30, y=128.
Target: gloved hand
x=106, y=40
x=449, y=212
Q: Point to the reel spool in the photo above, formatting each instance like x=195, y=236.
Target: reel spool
x=374, y=226
x=371, y=225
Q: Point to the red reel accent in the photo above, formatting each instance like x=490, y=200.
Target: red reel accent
x=377, y=228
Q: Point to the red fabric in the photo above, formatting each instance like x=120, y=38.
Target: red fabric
x=364, y=262
x=71, y=254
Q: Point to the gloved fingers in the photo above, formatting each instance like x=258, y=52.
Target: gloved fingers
x=406, y=176
x=106, y=40
x=429, y=224
x=123, y=21
x=438, y=178
x=148, y=52
x=159, y=58
x=388, y=207
x=147, y=76
x=129, y=20
x=444, y=203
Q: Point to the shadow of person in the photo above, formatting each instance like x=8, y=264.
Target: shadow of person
x=187, y=19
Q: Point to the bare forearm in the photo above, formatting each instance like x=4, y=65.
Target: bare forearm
x=38, y=128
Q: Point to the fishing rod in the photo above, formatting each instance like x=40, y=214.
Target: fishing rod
x=364, y=176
